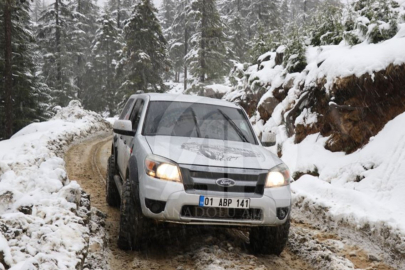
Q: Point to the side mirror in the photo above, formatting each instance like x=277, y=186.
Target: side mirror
x=268, y=139
x=123, y=127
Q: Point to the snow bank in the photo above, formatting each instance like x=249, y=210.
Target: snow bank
x=42, y=214
x=341, y=61
x=364, y=190
x=360, y=190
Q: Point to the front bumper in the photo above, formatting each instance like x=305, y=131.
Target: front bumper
x=175, y=197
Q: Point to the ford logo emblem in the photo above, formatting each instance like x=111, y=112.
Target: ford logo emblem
x=225, y=182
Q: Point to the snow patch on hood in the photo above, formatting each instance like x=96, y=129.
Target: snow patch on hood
x=210, y=152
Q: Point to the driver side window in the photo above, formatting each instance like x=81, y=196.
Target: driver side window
x=136, y=114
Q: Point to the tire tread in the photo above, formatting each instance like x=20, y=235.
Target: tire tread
x=112, y=194
x=269, y=240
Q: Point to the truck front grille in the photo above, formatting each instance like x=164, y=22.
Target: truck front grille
x=215, y=187
x=201, y=178
x=192, y=211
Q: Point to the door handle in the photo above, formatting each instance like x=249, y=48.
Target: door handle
x=125, y=142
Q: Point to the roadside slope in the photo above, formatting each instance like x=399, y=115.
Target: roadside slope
x=44, y=215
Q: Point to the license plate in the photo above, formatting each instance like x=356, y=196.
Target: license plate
x=224, y=202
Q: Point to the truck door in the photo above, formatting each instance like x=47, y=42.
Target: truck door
x=119, y=139
x=126, y=144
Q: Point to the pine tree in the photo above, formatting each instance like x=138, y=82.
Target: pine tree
x=177, y=36
x=52, y=36
x=207, y=57
x=29, y=96
x=166, y=16
x=264, y=14
x=167, y=13
x=81, y=32
x=296, y=10
x=39, y=6
x=234, y=18
x=284, y=13
x=102, y=86
x=294, y=56
x=7, y=69
x=144, y=57
x=121, y=10
x=371, y=20
x=301, y=11
x=326, y=26
x=264, y=42
x=238, y=38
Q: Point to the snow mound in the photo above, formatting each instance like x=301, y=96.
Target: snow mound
x=362, y=190
x=333, y=62
x=43, y=215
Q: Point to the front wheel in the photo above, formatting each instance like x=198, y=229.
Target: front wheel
x=112, y=194
x=269, y=240
x=134, y=226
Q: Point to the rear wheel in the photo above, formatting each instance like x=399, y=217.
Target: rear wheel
x=112, y=194
x=134, y=226
x=269, y=240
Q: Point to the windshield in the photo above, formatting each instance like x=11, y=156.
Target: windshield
x=185, y=119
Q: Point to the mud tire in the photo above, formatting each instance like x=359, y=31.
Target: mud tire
x=135, y=228
x=269, y=240
x=112, y=194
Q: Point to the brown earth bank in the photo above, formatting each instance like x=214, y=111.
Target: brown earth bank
x=355, y=109
x=352, y=111
x=192, y=247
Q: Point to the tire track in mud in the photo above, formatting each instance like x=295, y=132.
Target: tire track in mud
x=196, y=247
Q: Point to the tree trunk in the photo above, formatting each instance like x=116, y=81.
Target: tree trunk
x=57, y=39
x=118, y=14
x=8, y=72
x=202, y=43
x=36, y=10
x=79, y=63
x=108, y=83
x=185, y=53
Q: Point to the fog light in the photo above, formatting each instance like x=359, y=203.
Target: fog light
x=154, y=206
x=282, y=212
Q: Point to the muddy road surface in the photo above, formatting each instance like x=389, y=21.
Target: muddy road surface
x=192, y=248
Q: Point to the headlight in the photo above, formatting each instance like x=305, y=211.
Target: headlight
x=278, y=176
x=162, y=168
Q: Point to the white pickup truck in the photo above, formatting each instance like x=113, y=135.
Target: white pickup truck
x=195, y=160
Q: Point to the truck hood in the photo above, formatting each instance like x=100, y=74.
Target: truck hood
x=211, y=152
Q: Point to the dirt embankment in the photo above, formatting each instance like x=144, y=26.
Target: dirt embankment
x=355, y=109
x=197, y=248
x=350, y=111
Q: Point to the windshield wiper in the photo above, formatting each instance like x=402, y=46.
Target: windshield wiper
x=195, y=121
x=235, y=127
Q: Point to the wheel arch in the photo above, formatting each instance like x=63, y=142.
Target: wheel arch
x=133, y=170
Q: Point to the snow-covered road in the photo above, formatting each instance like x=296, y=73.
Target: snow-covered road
x=196, y=248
